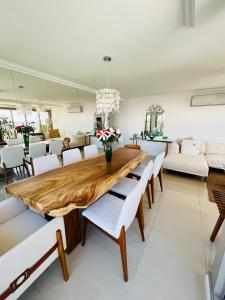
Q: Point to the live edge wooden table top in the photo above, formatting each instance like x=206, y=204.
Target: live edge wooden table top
x=77, y=185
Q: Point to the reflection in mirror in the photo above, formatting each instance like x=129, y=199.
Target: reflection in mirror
x=154, y=121
x=28, y=100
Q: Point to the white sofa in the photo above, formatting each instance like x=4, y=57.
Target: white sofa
x=195, y=157
x=28, y=245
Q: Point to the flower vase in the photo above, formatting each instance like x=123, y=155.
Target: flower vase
x=26, y=140
x=108, y=153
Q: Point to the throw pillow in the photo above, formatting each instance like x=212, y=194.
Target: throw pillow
x=215, y=148
x=190, y=147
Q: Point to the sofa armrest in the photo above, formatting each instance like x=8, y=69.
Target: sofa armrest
x=24, y=255
x=11, y=208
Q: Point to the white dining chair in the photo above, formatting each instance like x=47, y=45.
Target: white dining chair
x=124, y=186
x=157, y=172
x=34, y=139
x=113, y=216
x=13, y=158
x=29, y=244
x=35, y=150
x=13, y=142
x=55, y=147
x=71, y=156
x=90, y=151
x=45, y=163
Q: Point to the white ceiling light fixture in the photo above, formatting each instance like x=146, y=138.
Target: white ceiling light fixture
x=188, y=13
x=107, y=99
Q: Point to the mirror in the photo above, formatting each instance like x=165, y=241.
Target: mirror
x=154, y=121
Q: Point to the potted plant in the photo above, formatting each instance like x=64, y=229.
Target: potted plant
x=6, y=128
x=25, y=130
x=108, y=137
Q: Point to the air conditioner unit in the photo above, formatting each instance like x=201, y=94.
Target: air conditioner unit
x=75, y=108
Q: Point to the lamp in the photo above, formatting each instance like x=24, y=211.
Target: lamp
x=107, y=99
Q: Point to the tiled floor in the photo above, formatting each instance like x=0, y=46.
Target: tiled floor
x=171, y=264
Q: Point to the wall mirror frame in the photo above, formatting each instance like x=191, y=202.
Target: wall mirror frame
x=154, y=120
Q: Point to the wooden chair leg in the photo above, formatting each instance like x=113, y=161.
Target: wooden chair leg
x=217, y=228
x=26, y=167
x=152, y=188
x=123, y=252
x=62, y=257
x=85, y=225
x=160, y=179
x=148, y=195
x=141, y=221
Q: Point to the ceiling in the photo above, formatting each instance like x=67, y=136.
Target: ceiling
x=151, y=49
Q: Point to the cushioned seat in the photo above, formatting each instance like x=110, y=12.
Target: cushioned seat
x=16, y=229
x=138, y=171
x=105, y=213
x=124, y=186
x=192, y=164
x=215, y=160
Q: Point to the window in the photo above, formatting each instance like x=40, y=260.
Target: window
x=38, y=120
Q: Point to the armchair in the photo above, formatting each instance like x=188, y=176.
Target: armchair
x=29, y=244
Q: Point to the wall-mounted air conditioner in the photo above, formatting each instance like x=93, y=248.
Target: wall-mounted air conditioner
x=75, y=108
x=208, y=99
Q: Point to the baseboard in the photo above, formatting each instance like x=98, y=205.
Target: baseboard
x=208, y=287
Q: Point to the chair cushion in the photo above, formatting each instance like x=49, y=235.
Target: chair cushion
x=138, y=171
x=192, y=164
x=124, y=186
x=19, y=228
x=215, y=160
x=105, y=213
x=10, y=208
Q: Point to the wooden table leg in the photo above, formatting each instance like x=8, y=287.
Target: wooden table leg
x=217, y=228
x=72, y=229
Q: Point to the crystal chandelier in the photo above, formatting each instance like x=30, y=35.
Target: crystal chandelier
x=107, y=99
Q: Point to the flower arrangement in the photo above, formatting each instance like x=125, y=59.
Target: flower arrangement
x=108, y=137
x=25, y=130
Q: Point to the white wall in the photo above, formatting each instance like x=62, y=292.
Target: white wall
x=72, y=122
x=181, y=120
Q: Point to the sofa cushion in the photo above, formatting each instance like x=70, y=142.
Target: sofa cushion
x=215, y=161
x=215, y=148
x=190, y=147
x=192, y=164
x=19, y=228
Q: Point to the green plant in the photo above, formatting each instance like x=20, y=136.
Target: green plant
x=6, y=128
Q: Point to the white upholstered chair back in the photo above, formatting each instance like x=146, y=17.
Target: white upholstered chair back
x=37, y=149
x=30, y=237
x=90, y=151
x=12, y=156
x=34, y=139
x=71, y=156
x=158, y=163
x=11, y=142
x=55, y=147
x=45, y=163
x=131, y=202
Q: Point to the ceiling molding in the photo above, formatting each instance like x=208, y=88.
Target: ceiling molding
x=32, y=72
x=13, y=102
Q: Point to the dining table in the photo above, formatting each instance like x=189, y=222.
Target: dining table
x=66, y=190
